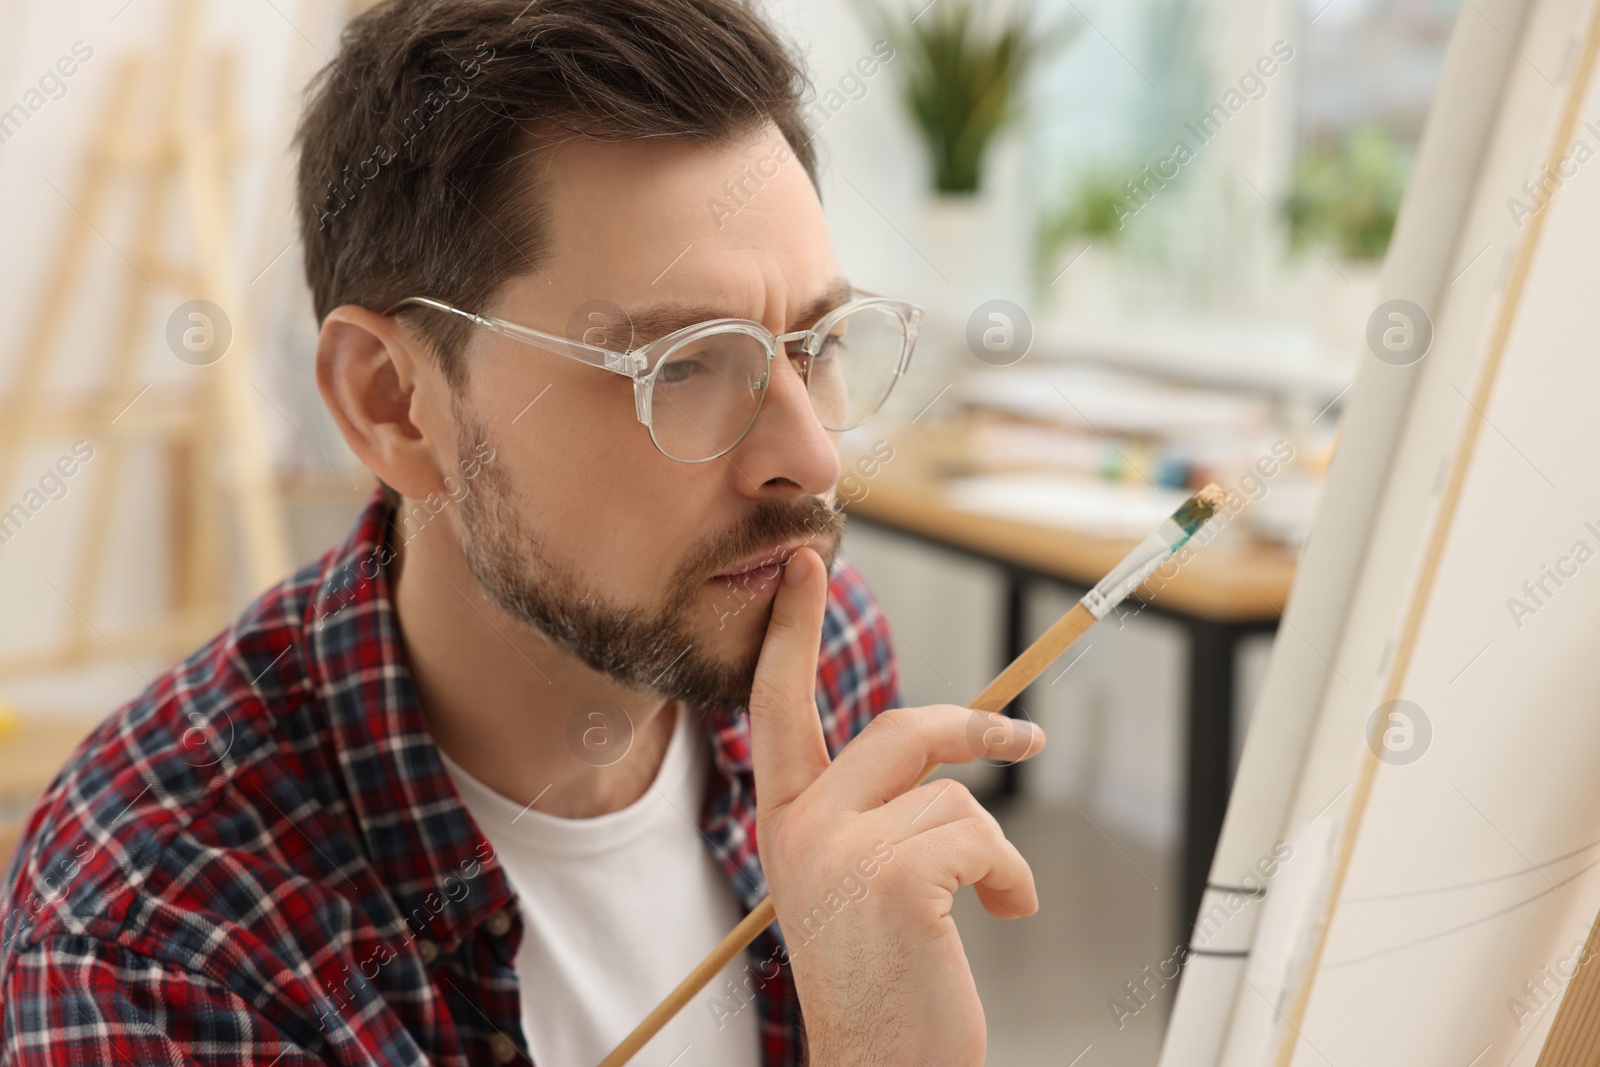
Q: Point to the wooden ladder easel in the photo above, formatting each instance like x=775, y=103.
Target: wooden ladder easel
x=217, y=455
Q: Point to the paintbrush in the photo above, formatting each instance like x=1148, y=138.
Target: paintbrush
x=1164, y=541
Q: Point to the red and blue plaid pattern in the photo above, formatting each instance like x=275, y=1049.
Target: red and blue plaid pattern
x=261, y=859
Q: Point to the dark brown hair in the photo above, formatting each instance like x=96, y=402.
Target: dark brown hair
x=410, y=148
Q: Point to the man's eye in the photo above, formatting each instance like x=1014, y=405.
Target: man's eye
x=832, y=345
x=679, y=371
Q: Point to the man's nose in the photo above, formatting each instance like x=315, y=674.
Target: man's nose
x=787, y=449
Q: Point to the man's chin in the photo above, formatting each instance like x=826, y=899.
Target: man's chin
x=731, y=621
x=720, y=667
x=736, y=635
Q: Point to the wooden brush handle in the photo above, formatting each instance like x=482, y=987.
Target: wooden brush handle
x=996, y=695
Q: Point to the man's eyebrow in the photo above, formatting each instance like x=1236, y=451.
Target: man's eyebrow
x=661, y=319
x=838, y=292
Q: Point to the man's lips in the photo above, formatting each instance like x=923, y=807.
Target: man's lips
x=764, y=563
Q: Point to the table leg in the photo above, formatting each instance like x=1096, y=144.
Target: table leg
x=1213, y=648
x=1016, y=641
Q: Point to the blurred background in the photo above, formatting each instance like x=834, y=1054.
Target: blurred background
x=1147, y=233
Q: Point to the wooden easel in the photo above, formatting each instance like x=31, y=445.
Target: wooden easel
x=1574, y=1037
x=216, y=451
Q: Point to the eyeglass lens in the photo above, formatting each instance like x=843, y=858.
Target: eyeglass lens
x=856, y=366
x=709, y=390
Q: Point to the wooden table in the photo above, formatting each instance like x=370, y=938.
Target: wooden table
x=1218, y=597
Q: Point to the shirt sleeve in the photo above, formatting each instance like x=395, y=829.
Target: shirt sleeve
x=79, y=1000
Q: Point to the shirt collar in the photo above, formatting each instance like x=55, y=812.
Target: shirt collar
x=729, y=729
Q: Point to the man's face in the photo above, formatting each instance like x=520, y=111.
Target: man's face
x=657, y=572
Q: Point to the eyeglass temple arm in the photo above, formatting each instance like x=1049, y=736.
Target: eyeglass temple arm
x=628, y=364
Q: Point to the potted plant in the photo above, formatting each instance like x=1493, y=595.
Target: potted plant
x=1073, y=266
x=1343, y=203
x=961, y=76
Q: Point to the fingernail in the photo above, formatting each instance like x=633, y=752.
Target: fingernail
x=794, y=572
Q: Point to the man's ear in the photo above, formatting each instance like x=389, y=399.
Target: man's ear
x=386, y=396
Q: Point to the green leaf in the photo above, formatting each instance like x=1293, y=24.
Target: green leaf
x=1350, y=194
x=961, y=79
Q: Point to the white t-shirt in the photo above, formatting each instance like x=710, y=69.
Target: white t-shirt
x=616, y=910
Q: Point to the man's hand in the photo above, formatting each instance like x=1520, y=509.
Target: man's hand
x=863, y=873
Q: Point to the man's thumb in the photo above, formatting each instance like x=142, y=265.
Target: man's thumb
x=786, y=739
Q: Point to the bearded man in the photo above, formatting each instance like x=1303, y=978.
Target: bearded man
x=481, y=784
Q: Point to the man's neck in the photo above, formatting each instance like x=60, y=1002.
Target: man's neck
x=499, y=698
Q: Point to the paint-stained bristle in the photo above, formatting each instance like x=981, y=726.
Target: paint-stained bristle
x=1197, y=509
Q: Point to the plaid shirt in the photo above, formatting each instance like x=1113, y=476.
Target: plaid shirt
x=262, y=860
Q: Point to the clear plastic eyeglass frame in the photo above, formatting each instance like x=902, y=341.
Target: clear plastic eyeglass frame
x=643, y=363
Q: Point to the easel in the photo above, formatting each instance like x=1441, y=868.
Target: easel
x=217, y=456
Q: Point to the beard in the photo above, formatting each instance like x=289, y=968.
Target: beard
x=658, y=647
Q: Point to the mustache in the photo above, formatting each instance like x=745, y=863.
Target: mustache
x=819, y=524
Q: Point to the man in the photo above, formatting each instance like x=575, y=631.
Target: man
x=478, y=786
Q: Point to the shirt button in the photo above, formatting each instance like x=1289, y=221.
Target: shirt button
x=429, y=950
x=498, y=924
x=502, y=1048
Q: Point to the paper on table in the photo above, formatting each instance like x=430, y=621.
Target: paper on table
x=1113, y=402
x=1103, y=509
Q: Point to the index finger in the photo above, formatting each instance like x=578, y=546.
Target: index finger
x=901, y=745
x=787, y=746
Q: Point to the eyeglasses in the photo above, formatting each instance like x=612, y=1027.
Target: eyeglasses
x=699, y=389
